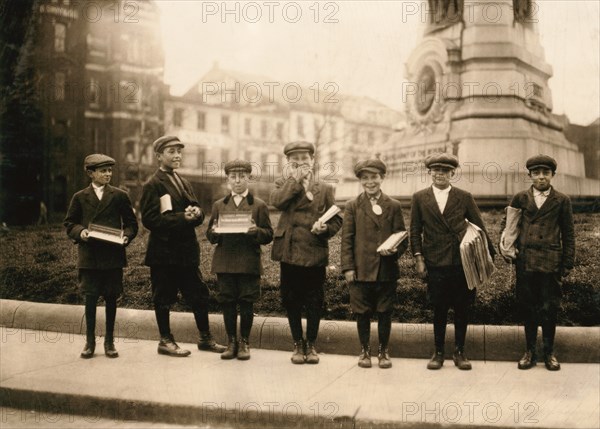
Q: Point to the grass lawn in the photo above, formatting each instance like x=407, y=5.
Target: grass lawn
x=38, y=264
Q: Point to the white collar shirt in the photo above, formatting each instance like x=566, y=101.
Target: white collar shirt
x=98, y=190
x=441, y=197
x=540, y=197
x=237, y=198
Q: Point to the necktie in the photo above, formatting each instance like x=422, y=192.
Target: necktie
x=176, y=182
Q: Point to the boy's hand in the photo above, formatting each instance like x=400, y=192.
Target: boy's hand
x=125, y=241
x=350, y=276
x=84, y=235
x=253, y=230
x=421, y=267
x=318, y=228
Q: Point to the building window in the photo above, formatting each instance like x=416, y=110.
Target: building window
x=300, y=126
x=263, y=128
x=370, y=138
x=94, y=91
x=60, y=34
x=279, y=130
x=201, y=121
x=59, y=87
x=177, y=117
x=225, y=124
x=248, y=126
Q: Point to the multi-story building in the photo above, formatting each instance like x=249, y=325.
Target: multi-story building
x=98, y=71
x=229, y=114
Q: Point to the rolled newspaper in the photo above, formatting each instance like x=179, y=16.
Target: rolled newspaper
x=329, y=214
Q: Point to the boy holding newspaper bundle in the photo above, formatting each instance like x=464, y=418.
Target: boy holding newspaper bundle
x=373, y=238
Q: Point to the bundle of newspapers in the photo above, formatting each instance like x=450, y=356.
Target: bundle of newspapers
x=475, y=256
x=106, y=233
x=329, y=214
x=234, y=223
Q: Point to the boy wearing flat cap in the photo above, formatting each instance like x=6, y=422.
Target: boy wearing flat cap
x=236, y=260
x=545, y=253
x=301, y=245
x=436, y=229
x=171, y=212
x=100, y=263
x=369, y=220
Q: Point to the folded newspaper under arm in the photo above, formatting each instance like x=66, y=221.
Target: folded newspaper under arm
x=393, y=241
x=106, y=233
x=477, y=262
x=329, y=214
x=511, y=233
x=234, y=223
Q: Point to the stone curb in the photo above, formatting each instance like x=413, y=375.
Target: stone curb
x=484, y=342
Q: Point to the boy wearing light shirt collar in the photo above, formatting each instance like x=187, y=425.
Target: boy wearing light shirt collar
x=237, y=257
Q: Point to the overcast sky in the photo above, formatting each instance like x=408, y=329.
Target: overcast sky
x=364, y=52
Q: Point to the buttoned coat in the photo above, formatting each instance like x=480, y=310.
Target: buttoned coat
x=114, y=211
x=172, y=238
x=437, y=236
x=363, y=232
x=546, y=241
x=293, y=242
x=240, y=253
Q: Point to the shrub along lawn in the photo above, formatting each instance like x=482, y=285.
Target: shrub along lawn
x=38, y=264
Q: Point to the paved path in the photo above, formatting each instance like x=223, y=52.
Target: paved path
x=42, y=371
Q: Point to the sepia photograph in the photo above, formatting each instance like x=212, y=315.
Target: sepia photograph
x=300, y=214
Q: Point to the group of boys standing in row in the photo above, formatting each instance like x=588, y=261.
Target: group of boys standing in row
x=170, y=211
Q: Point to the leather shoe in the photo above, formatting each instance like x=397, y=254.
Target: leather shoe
x=311, y=353
x=528, y=360
x=437, y=360
x=232, y=349
x=384, y=358
x=364, y=360
x=207, y=343
x=551, y=362
x=110, y=350
x=298, y=353
x=461, y=361
x=243, y=349
x=168, y=346
x=88, y=350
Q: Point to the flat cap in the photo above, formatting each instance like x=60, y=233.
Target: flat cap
x=163, y=142
x=541, y=161
x=238, y=165
x=441, y=159
x=299, y=147
x=96, y=160
x=373, y=165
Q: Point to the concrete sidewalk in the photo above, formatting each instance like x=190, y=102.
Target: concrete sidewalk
x=41, y=370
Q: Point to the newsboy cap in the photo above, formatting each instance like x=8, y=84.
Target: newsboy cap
x=97, y=160
x=238, y=165
x=164, y=142
x=373, y=165
x=299, y=147
x=541, y=161
x=441, y=159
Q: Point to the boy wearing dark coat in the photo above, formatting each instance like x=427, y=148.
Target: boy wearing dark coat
x=545, y=254
x=437, y=226
x=100, y=263
x=301, y=245
x=171, y=212
x=369, y=220
x=236, y=259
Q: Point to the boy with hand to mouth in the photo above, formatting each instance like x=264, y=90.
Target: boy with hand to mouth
x=372, y=276
x=301, y=246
